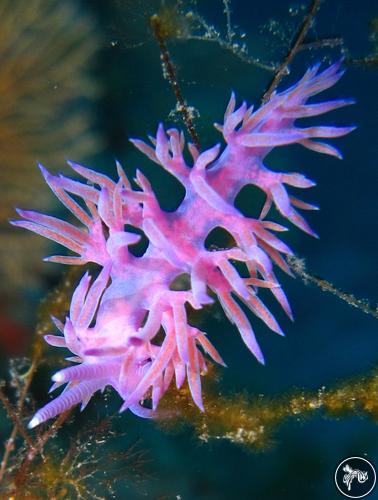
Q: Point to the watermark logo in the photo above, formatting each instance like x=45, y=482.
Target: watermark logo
x=355, y=477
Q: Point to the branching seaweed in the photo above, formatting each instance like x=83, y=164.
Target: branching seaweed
x=87, y=460
x=252, y=421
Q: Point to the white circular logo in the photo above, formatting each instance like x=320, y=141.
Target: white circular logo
x=355, y=477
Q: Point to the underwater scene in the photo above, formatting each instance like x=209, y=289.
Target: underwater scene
x=188, y=288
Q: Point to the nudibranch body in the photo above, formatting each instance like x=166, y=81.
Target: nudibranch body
x=114, y=320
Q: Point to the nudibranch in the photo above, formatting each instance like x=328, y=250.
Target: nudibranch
x=128, y=328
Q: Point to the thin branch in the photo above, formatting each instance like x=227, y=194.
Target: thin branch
x=18, y=428
x=227, y=12
x=170, y=73
x=9, y=446
x=321, y=43
x=13, y=415
x=371, y=60
x=299, y=268
x=235, y=49
x=298, y=40
x=213, y=35
x=37, y=448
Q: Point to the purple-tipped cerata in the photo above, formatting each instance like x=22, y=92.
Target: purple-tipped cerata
x=114, y=319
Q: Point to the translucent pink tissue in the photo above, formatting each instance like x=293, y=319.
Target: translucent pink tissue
x=128, y=327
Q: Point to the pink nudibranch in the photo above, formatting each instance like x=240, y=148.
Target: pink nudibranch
x=114, y=320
